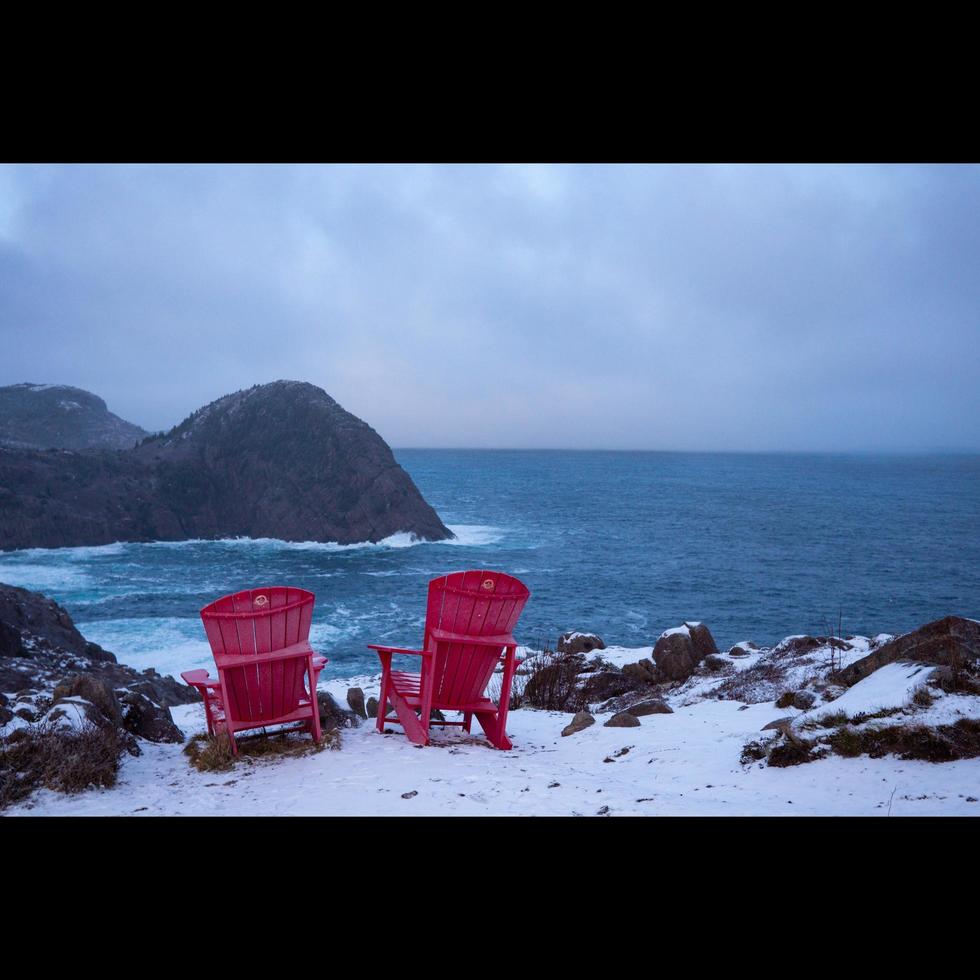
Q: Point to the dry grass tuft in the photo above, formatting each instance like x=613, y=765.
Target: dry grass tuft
x=213, y=754
x=64, y=761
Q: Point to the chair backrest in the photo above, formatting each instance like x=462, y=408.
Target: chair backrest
x=474, y=603
x=260, y=621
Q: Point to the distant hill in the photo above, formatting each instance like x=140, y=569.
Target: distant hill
x=281, y=460
x=61, y=417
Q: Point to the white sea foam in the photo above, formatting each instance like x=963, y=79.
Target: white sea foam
x=41, y=578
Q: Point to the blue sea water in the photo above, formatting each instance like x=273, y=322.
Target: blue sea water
x=625, y=544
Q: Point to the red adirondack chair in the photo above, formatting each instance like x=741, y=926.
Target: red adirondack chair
x=267, y=671
x=469, y=620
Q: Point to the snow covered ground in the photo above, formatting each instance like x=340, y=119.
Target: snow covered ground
x=685, y=763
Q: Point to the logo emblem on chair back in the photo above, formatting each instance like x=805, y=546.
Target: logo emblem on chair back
x=488, y=584
x=261, y=600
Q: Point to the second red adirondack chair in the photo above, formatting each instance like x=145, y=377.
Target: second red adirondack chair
x=267, y=670
x=469, y=623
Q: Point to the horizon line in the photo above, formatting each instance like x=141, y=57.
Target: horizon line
x=699, y=452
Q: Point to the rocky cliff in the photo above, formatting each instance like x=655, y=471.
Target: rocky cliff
x=281, y=460
x=61, y=417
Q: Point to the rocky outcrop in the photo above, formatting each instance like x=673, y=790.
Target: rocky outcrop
x=575, y=642
x=949, y=641
x=61, y=417
x=652, y=706
x=678, y=651
x=622, y=719
x=281, y=460
x=42, y=651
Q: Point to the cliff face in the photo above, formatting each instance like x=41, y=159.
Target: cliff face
x=282, y=460
x=61, y=417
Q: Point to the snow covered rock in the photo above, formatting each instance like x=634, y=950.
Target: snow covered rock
x=148, y=720
x=947, y=641
x=678, y=651
x=576, y=642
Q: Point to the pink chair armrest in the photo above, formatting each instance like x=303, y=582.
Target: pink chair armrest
x=199, y=678
x=502, y=640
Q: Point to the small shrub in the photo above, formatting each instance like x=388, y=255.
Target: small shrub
x=753, y=752
x=922, y=698
x=847, y=742
x=792, y=753
x=785, y=700
x=64, y=761
x=552, y=682
x=834, y=720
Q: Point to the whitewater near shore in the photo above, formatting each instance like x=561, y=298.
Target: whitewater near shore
x=685, y=763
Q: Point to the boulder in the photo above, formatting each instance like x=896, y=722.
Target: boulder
x=580, y=721
x=743, y=649
x=95, y=691
x=355, y=698
x=652, y=706
x=147, y=720
x=950, y=641
x=622, y=719
x=332, y=716
x=575, y=642
x=371, y=707
x=678, y=651
x=779, y=725
x=605, y=684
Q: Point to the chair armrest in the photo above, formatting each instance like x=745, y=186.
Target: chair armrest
x=319, y=662
x=501, y=640
x=417, y=653
x=199, y=678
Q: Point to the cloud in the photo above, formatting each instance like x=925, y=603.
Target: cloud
x=677, y=307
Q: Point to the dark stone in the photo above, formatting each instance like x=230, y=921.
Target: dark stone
x=147, y=720
x=281, y=460
x=804, y=700
x=652, y=706
x=95, y=691
x=677, y=654
x=743, y=649
x=950, y=641
x=581, y=721
x=372, y=707
x=576, y=642
x=622, y=719
x=332, y=716
x=605, y=684
x=355, y=698
x=779, y=725
x=5, y=715
x=61, y=417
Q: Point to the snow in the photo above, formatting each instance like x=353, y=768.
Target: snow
x=889, y=687
x=675, y=631
x=685, y=763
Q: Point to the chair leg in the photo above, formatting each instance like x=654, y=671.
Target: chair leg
x=382, y=703
x=494, y=729
x=234, y=744
x=417, y=729
x=467, y=721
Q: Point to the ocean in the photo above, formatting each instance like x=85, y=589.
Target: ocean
x=624, y=544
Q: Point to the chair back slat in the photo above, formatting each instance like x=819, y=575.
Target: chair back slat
x=473, y=603
x=257, y=621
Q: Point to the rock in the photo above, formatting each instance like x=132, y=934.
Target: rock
x=147, y=720
x=702, y=639
x=5, y=715
x=714, y=663
x=652, y=706
x=605, y=684
x=579, y=722
x=804, y=700
x=332, y=716
x=95, y=691
x=949, y=641
x=372, y=707
x=355, y=698
x=780, y=724
x=678, y=651
x=622, y=719
x=743, y=649
x=436, y=715
x=281, y=460
x=796, y=646
x=61, y=417
x=575, y=642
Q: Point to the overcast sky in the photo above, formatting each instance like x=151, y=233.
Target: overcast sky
x=648, y=307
